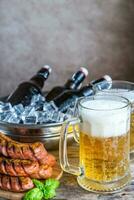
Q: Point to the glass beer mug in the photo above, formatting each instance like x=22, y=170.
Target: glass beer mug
x=104, y=125
x=124, y=89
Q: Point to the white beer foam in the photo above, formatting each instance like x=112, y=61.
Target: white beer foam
x=106, y=121
x=129, y=94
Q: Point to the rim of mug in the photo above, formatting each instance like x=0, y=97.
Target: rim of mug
x=128, y=83
x=128, y=103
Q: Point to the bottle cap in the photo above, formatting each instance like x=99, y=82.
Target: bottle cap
x=48, y=67
x=109, y=80
x=84, y=70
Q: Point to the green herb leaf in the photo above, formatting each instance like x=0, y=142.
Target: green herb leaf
x=38, y=184
x=52, y=183
x=33, y=194
x=49, y=193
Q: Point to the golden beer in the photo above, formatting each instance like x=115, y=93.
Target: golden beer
x=104, y=143
x=124, y=89
x=132, y=132
x=104, y=159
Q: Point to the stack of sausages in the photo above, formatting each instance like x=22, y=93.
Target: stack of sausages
x=20, y=162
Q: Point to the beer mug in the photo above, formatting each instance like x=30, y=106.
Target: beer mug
x=104, y=143
x=125, y=89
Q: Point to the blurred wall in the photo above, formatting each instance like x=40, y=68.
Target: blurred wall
x=65, y=34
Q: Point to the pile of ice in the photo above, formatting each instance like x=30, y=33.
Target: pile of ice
x=37, y=112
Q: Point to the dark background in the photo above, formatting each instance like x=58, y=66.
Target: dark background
x=65, y=34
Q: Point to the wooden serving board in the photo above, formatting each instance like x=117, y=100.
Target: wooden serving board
x=57, y=174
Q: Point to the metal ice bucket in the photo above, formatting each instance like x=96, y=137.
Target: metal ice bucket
x=49, y=133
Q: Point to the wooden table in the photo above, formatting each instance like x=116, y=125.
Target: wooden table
x=69, y=189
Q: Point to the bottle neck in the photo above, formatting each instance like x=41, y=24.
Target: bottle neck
x=40, y=77
x=100, y=84
x=75, y=81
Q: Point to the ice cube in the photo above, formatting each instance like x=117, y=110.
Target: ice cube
x=41, y=98
x=57, y=116
x=3, y=115
x=29, y=111
x=6, y=115
x=37, y=98
x=19, y=109
x=7, y=107
x=34, y=99
x=38, y=106
x=50, y=106
x=13, y=119
x=30, y=120
x=42, y=117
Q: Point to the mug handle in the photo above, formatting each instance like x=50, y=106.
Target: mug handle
x=76, y=133
x=63, y=148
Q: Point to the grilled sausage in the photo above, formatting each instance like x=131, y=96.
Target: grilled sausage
x=16, y=184
x=25, y=168
x=50, y=160
x=14, y=167
x=16, y=150
x=26, y=183
x=6, y=183
x=43, y=173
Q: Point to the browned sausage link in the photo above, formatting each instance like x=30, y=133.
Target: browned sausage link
x=44, y=172
x=9, y=168
x=28, y=153
x=39, y=151
x=0, y=181
x=19, y=169
x=16, y=150
x=50, y=160
x=10, y=150
x=26, y=183
x=6, y=183
x=30, y=168
x=16, y=184
x=16, y=167
x=2, y=167
x=3, y=144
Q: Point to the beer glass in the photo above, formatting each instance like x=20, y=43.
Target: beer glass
x=104, y=125
x=125, y=89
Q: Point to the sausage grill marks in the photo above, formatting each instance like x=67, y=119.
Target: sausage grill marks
x=19, y=162
x=25, y=168
x=28, y=151
x=14, y=167
x=15, y=184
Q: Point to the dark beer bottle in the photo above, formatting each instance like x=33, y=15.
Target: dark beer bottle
x=26, y=90
x=71, y=84
x=68, y=98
